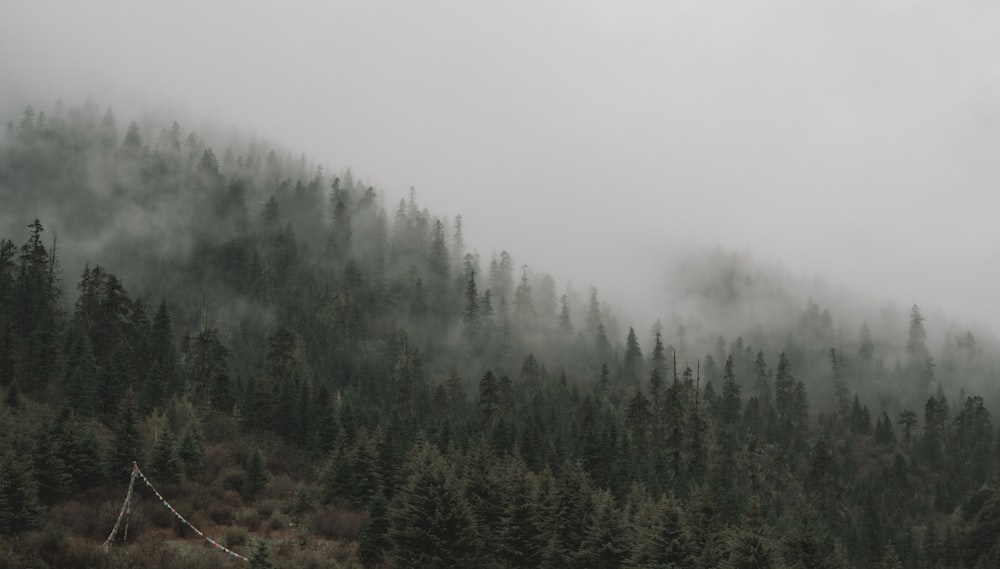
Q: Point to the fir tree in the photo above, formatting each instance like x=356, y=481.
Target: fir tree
x=432, y=524
x=255, y=476
x=19, y=506
x=633, y=358
x=261, y=558
x=191, y=450
x=128, y=439
x=374, y=543
x=165, y=466
x=752, y=546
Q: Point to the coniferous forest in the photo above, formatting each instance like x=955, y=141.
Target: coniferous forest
x=313, y=377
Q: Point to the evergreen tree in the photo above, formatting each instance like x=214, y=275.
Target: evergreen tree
x=165, y=466
x=633, y=358
x=261, y=558
x=19, y=506
x=840, y=390
x=520, y=529
x=659, y=356
x=80, y=450
x=470, y=316
x=762, y=384
x=53, y=481
x=752, y=546
x=255, y=476
x=128, y=439
x=703, y=526
x=731, y=402
x=207, y=370
x=374, y=543
x=603, y=545
x=908, y=419
x=81, y=380
x=920, y=364
x=565, y=321
x=489, y=398
x=163, y=357
x=191, y=450
x=806, y=545
x=432, y=524
x=660, y=537
x=524, y=304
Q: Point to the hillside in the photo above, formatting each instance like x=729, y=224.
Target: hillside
x=308, y=373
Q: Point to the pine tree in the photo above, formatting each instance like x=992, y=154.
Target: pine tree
x=163, y=355
x=255, y=476
x=53, y=481
x=261, y=558
x=191, y=450
x=603, y=545
x=806, y=545
x=19, y=506
x=374, y=543
x=659, y=356
x=470, y=316
x=839, y=385
x=165, y=466
x=520, y=529
x=206, y=370
x=524, y=304
x=81, y=450
x=633, y=358
x=432, y=524
x=489, y=398
x=565, y=321
x=337, y=476
x=8, y=368
x=752, y=546
x=661, y=540
x=81, y=380
x=762, y=384
x=731, y=402
x=128, y=439
x=908, y=419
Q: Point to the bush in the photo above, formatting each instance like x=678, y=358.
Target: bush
x=248, y=517
x=235, y=536
x=335, y=523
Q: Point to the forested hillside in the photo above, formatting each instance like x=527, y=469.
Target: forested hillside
x=315, y=378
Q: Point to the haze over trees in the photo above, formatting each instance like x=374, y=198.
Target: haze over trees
x=278, y=348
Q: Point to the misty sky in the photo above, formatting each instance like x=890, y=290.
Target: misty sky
x=859, y=138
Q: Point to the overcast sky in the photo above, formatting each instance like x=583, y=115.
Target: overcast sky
x=859, y=138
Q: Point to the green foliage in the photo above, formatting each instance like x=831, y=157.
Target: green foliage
x=659, y=536
x=128, y=443
x=165, y=465
x=19, y=505
x=191, y=450
x=752, y=546
x=256, y=476
x=261, y=557
x=374, y=543
x=432, y=523
x=342, y=335
x=603, y=545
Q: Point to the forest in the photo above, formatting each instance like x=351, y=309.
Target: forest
x=314, y=378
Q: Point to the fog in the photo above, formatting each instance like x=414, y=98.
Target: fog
x=596, y=141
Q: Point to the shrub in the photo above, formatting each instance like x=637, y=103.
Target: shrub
x=235, y=536
x=335, y=523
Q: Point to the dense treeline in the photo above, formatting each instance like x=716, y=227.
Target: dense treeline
x=282, y=354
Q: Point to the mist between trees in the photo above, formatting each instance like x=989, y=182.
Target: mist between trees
x=281, y=347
